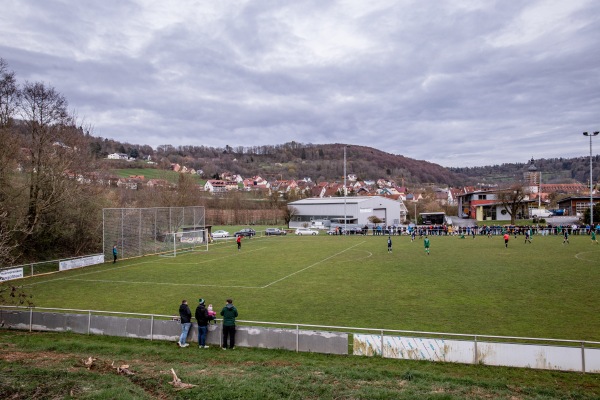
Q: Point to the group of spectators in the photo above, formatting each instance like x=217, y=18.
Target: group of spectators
x=485, y=230
x=204, y=315
x=536, y=229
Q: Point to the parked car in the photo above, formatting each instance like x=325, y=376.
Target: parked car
x=220, y=234
x=245, y=232
x=306, y=231
x=539, y=213
x=274, y=232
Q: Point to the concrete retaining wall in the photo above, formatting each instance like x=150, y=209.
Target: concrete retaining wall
x=163, y=329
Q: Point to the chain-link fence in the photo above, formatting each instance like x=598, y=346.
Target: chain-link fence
x=142, y=231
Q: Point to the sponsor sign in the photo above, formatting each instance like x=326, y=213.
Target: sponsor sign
x=80, y=262
x=366, y=210
x=8, y=274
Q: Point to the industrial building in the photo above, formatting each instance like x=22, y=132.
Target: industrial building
x=352, y=211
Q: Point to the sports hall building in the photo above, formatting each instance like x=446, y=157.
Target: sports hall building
x=353, y=211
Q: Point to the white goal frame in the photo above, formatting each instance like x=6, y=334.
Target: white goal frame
x=186, y=241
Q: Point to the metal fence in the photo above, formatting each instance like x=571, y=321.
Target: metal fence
x=42, y=267
x=142, y=231
x=514, y=351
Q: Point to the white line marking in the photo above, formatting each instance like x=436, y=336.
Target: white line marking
x=140, y=263
x=191, y=284
x=310, y=266
x=235, y=254
x=583, y=259
x=161, y=283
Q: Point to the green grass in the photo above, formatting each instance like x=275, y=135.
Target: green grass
x=152, y=173
x=50, y=366
x=474, y=286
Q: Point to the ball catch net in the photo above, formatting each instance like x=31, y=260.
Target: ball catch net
x=160, y=230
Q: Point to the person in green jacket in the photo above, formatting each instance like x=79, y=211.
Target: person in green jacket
x=229, y=314
x=426, y=244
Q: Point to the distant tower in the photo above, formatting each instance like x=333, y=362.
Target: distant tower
x=531, y=177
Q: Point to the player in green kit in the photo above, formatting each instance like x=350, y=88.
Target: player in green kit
x=594, y=236
x=426, y=244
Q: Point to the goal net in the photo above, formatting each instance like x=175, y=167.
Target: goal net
x=186, y=241
x=144, y=231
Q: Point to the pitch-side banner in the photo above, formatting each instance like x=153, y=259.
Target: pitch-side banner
x=81, y=262
x=8, y=274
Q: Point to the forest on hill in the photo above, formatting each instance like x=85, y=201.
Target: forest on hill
x=554, y=170
x=324, y=162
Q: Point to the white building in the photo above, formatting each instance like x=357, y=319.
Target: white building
x=353, y=211
x=118, y=156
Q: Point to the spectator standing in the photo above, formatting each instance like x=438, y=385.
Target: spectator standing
x=201, y=315
x=185, y=316
x=229, y=314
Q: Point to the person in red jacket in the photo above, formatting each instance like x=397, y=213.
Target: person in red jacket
x=506, y=237
x=239, y=242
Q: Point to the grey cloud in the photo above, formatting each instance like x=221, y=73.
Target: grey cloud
x=466, y=84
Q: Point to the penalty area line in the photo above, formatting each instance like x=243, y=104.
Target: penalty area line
x=312, y=265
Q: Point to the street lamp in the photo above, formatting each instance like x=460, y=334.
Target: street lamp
x=592, y=134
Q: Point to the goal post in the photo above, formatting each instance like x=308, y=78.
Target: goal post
x=145, y=231
x=185, y=241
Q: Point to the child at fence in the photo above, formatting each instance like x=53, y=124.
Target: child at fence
x=212, y=315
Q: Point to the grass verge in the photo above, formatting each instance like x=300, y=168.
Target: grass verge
x=50, y=365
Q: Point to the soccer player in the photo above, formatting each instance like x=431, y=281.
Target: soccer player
x=594, y=236
x=506, y=238
x=239, y=242
x=389, y=244
x=527, y=235
x=566, y=236
x=426, y=244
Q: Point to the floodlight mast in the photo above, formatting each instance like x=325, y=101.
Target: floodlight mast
x=591, y=134
x=345, y=230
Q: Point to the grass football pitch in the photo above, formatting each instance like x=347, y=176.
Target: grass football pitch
x=474, y=286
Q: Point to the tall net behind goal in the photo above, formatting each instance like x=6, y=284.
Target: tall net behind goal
x=143, y=231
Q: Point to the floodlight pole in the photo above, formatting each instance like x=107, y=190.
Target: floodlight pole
x=345, y=231
x=591, y=134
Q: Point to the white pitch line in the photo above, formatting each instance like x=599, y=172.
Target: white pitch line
x=89, y=273
x=310, y=266
x=236, y=254
x=161, y=283
x=583, y=259
x=140, y=263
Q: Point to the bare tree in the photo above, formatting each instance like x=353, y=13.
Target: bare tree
x=288, y=213
x=513, y=200
x=44, y=111
x=9, y=94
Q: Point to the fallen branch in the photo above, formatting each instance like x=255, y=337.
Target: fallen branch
x=89, y=362
x=177, y=384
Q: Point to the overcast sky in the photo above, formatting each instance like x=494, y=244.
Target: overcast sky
x=457, y=82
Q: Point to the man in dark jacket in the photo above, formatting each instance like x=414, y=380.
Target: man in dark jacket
x=185, y=316
x=201, y=315
x=229, y=313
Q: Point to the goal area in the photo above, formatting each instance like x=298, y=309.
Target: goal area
x=159, y=230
